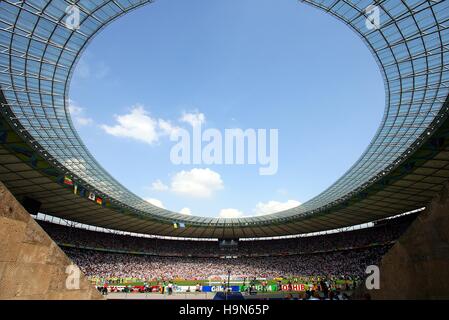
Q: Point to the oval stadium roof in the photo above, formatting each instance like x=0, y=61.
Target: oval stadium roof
x=38, y=54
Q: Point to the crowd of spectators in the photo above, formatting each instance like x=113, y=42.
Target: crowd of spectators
x=384, y=233
x=344, y=254
x=116, y=265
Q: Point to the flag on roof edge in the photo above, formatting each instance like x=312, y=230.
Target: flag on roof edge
x=68, y=181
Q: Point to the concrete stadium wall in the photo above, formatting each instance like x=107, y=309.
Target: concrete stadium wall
x=417, y=266
x=32, y=266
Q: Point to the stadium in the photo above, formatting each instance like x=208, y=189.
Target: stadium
x=59, y=207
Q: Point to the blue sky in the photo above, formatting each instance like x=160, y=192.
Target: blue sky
x=232, y=64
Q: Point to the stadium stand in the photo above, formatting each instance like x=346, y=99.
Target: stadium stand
x=344, y=254
x=384, y=232
x=347, y=263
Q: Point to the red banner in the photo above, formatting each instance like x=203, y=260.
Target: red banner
x=293, y=287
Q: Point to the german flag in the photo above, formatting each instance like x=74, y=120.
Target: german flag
x=99, y=201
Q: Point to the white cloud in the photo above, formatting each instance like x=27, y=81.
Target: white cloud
x=137, y=125
x=274, y=206
x=77, y=114
x=198, y=183
x=158, y=185
x=74, y=108
x=167, y=128
x=193, y=118
x=140, y=126
x=155, y=202
x=261, y=209
x=186, y=211
x=230, y=213
x=84, y=121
